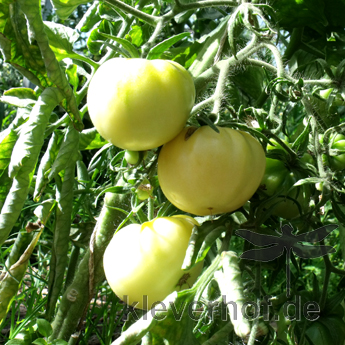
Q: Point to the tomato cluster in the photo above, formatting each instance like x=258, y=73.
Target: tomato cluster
x=139, y=105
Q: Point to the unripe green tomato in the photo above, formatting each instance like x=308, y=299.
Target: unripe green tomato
x=206, y=173
x=278, y=178
x=132, y=157
x=338, y=162
x=139, y=104
x=337, y=143
x=307, y=158
x=146, y=260
x=145, y=190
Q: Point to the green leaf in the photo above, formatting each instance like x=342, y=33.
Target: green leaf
x=297, y=13
x=64, y=8
x=139, y=34
x=160, y=48
x=40, y=341
x=90, y=139
x=209, y=48
x=56, y=74
x=44, y=327
x=307, y=180
x=201, y=241
x=5, y=47
x=300, y=145
x=90, y=18
x=6, y=148
x=134, y=53
x=19, y=97
x=22, y=52
x=66, y=159
x=95, y=39
x=250, y=81
x=46, y=163
x=9, y=285
x=24, y=158
x=43, y=211
x=66, y=153
x=16, y=342
x=58, y=342
x=61, y=39
x=319, y=334
x=72, y=75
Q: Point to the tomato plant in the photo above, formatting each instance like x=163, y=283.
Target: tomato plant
x=146, y=260
x=205, y=173
x=131, y=71
x=138, y=104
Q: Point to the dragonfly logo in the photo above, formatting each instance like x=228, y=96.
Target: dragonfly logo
x=286, y=241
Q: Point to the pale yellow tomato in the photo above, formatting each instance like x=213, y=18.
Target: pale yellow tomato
x=144, y=261
x=205, y=173
x=139, y=104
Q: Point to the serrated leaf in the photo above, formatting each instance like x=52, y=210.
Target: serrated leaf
x=160, y=48
x=61, y=39
x=67, y=152
x=64, y=8
x=24, y=158
x=89, y=19
x=19, y=97
x=90, y=139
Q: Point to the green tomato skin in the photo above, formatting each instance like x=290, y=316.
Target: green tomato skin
x=278, y=179
x=145, y=190
x=338, y=162
x=132, y=157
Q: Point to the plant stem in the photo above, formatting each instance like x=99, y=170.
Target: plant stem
x=206, y=76
x=328, y=272
x=150, y=42
x=198, y=107
x=152, y=20
x=205, y=3
x=219, y=91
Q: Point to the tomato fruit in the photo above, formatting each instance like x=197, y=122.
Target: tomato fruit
x=205, y=173
x=139, y=104
x=132, y=157
x=278, y=179
x=145, y=190
x=145, y=260
x=337, y=142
